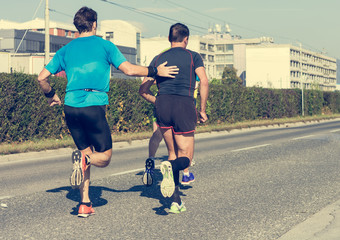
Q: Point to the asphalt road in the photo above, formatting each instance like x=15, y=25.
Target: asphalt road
x=250, y=184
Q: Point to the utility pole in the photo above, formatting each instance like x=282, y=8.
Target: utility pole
x=301, y=82
x=47, y=34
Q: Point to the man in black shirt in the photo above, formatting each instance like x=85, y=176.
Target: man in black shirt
x=175, y=108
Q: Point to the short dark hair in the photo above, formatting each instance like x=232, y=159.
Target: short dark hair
x=84, y=19
x=178, y=32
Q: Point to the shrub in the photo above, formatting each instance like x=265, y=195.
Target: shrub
x=25, y=114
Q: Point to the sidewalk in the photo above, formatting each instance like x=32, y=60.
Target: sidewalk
x=324, y=225
x=61, y=152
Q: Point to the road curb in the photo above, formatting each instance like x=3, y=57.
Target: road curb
x=139, y=143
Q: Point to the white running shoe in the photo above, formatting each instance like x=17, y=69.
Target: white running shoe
x=167, y=184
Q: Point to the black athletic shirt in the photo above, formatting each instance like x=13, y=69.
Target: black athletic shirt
x=184, y=82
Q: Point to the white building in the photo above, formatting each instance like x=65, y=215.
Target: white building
x=286, y=66
x=121, y=33
x=219, y=49
x=29, y=56
x=38, y=25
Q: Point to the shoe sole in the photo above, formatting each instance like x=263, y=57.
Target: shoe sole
x=149, y=164
x=85, y=215
x=188, y=183
x=147, y=178
x=167, y=184
x=77, y=177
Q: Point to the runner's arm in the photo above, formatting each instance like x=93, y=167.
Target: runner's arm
x=46, y=87
x=204, y=91
x=135, y=70
x=144, y=90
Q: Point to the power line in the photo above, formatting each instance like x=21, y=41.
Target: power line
x=56, y=11
x=22, y=39
x=237, y=25
x=101, y=24
x=214, y=18
x=194, y=11
x=179, y=8
x=152, y=15
x=167, y=20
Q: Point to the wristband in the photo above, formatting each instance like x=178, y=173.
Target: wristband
x=50, y=94
x=152, y=71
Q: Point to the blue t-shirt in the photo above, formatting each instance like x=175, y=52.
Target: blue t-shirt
x=86, y=62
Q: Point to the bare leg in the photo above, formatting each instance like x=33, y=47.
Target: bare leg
x=98, y=159
x=185, y=145
x=170, y=143
x=155, y=140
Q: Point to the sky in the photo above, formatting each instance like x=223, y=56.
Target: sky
x=313, y=23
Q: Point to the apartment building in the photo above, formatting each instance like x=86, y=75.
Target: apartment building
x=288, y=66
x=219, y=49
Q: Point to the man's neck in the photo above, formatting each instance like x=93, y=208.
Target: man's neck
x=178, y=44
x=87, y=34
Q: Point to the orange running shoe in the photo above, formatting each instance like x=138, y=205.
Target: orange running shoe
x=85, y=211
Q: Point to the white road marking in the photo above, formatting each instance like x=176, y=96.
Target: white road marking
x=303, y=137
x=333, y=131
x=4, y=197
x=131, y=171
x=247, y=148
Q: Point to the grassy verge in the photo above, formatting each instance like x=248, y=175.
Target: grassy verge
x=45, y=144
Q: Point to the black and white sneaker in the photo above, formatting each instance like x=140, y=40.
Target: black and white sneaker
x=148, y=173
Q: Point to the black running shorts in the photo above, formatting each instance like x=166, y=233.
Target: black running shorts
x=176, y=112
x=89, y=127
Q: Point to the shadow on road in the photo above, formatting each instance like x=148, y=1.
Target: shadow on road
x=95, y=193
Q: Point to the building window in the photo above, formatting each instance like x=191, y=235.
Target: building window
x=210, y=58
x=211, y=48
x=224, y=58
x=203, y=46
x=109, y=36
x=230, y=47
x=220, y=48
x=220, y=68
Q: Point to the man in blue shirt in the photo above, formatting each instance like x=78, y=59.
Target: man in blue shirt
x=86, y=61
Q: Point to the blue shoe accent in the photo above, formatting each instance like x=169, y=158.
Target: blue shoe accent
x=148, y=173
x=186, y=180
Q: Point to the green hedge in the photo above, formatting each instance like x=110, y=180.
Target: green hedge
x=25, y=114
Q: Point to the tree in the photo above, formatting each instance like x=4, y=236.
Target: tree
x=229, y=76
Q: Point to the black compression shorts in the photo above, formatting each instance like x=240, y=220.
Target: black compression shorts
x=89, y=127
x=176, y=112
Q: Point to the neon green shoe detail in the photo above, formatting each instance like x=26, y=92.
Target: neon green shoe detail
x=175, y=208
